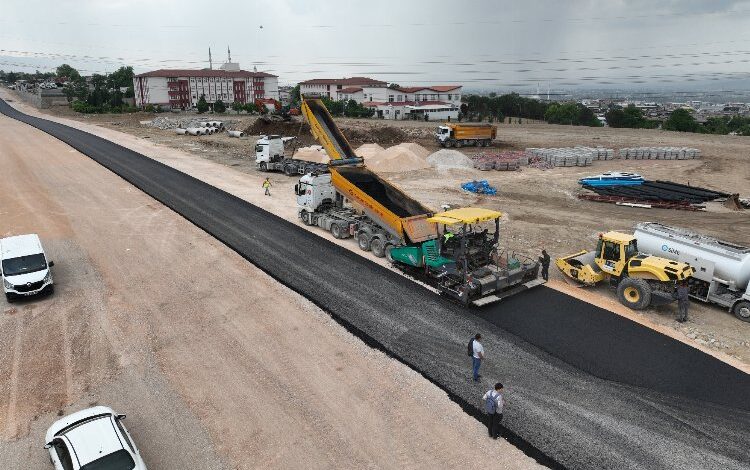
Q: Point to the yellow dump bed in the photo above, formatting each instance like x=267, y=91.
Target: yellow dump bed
x=477, y=131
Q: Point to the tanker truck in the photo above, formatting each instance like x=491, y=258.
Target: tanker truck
x=722, y=269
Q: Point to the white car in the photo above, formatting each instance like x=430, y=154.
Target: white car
x=92, y=439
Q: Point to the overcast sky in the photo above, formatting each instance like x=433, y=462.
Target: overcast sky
x=481, y=44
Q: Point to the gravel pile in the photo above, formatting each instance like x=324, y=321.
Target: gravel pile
x=446, y=158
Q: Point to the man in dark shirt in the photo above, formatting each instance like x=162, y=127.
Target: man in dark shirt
x=683, y=301
x=544, y=260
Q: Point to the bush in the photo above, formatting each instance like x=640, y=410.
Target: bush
x=202, y=104
x=149, y=108
x=219, y=106
x=682, y=121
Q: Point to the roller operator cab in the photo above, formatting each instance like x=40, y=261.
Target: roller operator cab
x=464, y=262
x=24, y=267
x=642, y=280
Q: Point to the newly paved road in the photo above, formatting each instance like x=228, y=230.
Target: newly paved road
x=586, y=389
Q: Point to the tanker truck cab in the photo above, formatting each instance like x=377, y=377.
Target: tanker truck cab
x=24, y=267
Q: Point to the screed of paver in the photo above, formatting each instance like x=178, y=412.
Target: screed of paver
x=272, y=379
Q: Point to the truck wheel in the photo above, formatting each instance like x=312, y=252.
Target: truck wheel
x=447, y=144
x=289, y=170
x=363, y=240
x=263, y=166
x=337, y=231
x=458, y=144
x=378, y=247
x=634, y=293
x=741, y=310
x=306, y=218
x=388, y=249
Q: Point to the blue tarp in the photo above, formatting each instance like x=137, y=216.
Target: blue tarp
x=479, y=187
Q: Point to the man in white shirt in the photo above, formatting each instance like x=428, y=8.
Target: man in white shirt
x=494, y=404
x=476, y=359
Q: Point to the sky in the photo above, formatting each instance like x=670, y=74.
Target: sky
x=481, y=44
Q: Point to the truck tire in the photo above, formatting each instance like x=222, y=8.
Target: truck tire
x=363, y=240
x=447, y=144
x=634, y=293
x=263, y=166
x=337, y=231
x=306, y=218
x=377, y=245
x=741, y=310
x=458, y=144
x=289, y=170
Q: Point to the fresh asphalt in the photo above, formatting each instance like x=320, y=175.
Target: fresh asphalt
x=584, y=388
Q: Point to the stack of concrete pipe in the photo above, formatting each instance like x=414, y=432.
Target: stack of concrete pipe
x=659, y=153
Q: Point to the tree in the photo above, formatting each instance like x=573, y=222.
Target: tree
x=11, y=77
x=250, y=108
x=681, y=120
x=394, y=86
x=219, y=106
x=237, y=106
x=122, y=77
x=68, y=72
x=294, y=96
x=202, y=104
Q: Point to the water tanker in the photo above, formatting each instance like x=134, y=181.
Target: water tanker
x=722, y=269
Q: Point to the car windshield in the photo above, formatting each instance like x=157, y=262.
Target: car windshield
x=24, y=265
x=119, y=460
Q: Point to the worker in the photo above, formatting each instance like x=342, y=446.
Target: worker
x=683, y=301
x=493, y=405
x=267, y=186
x=544, y=260
x=477, y=356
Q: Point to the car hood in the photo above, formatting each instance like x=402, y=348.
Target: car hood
x=26, y=278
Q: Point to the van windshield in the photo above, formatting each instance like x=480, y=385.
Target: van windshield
x=24, y=265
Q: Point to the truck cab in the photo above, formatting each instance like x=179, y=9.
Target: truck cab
x=443, y=133
x=24, y=267
x=314, y=191
x=269, y=149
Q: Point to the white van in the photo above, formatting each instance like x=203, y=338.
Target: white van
x=24, y=267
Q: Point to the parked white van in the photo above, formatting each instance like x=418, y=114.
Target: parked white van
x=24, y=267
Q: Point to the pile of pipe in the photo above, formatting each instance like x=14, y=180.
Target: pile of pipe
x=197, y=131
x=218, y=125
x=659, y=153
x=571, y=156
x=502, y=161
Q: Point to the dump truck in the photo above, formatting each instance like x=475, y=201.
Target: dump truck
x=349, y=200
x=642, y=280
x=459, y=135
x=722, y=269
x=270, y=155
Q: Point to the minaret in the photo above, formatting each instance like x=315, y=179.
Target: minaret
x=210, y=63
x=229, y=55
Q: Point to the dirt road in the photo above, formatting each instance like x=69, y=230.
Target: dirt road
x=216, y=365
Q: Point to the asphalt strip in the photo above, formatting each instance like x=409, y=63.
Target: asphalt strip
x=585, y=388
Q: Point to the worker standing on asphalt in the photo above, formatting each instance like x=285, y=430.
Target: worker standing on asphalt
x=544, y=260
x=683, y=301
x=267, y=186
x=493, y=405
x=477, y=356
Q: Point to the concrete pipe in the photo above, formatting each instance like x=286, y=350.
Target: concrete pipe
x=203, y=124
x=236, y=133
x=180, y=131
x=193, y=130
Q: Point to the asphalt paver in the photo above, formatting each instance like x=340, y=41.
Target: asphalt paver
x=620, y=400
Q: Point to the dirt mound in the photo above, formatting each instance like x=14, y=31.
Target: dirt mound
x=282, y=128
x=377, y=134
x=396, y=159
x=368, y=151
x=445, y=158
x=313, y=153
x=418, y=150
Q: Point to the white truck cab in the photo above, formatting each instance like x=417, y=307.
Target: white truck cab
x=314, y=191
x=443, y=133
x=269, y=149
x=24, y=267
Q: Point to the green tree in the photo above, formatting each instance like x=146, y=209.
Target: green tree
x=682, y=121
x=67, y=71
x=11, y=77
x=219, y=106
x=294, y=97
x=237, y=106
x=394, y=86
x=250, y=108
x=202, y=104
x=122, y=77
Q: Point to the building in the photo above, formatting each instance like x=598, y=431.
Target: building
x=417, y=110
x=329, y=87
x=181, y=89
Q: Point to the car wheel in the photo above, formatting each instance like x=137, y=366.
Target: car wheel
x=634, y=293
x=378, y=247
x=741, y=310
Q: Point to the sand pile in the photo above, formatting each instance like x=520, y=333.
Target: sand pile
x=446, y=158
x=313, y=153
x=420, y=151
x=367, y=151
x=396, y=159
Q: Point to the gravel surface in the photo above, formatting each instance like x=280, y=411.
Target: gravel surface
x=574, y=418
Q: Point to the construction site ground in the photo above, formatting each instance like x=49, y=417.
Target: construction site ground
x=142, y=289
x=541, y=208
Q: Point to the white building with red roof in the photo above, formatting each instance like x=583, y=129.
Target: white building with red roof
x=329, y=87
x=181, y=89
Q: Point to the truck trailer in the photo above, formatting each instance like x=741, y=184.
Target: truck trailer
x=270, y=155
x=722, y=269
x=349, y=200
x=459, y=135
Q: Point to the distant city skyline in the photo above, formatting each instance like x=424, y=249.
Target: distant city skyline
x=483, y=45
